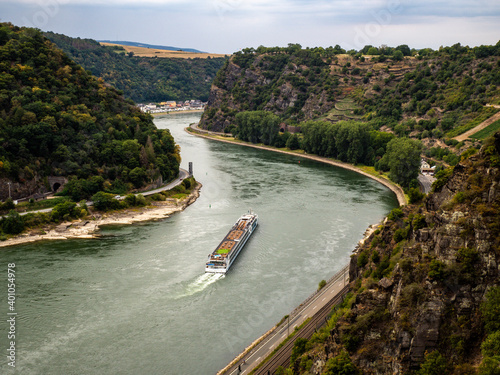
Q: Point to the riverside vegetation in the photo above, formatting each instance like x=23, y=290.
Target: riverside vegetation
x=64, y=209
x=351, y=105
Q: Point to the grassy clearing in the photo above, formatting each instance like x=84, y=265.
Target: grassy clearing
x=471, y=123
x=488, y=131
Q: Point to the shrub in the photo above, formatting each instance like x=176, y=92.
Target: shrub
x=491, y=346
x=490, y=309
x=395, y=214
x=341, y=364
x=350, y=341
x=140, y=200
x=362, y=259
x=130, y=199
x=12, y=223
x=187, y=183
x=8, y=205
x=442, y=178
x=400, y=234
x=321, y=284
x=419, y=222
x=299, y=348
x=434, y=364
x=382, y=268
x=489, y=366
x=158, y=197
x=459, y=197
x=105, y=201
x=64, y=211
x=437, y=270
x=415, y=195
x=467, y=259
x=412, y=295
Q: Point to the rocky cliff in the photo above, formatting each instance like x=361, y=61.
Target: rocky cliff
x=425, y=96
x=420, y=282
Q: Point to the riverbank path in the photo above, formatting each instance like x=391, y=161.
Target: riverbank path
x=308, y=309
x=183, y=174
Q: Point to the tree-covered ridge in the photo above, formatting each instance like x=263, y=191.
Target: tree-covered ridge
x=142, y=79
x=426, y=94
x=56, y=119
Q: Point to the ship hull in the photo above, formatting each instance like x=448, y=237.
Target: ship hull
x=221, y=260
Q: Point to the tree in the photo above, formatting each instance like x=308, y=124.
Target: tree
x=397, y=56
x=403, y=159
x=105, y=201
x=491, y=346
x=434, y=364
x=137, y=176
x=404, y=49
x=12, y=223
x=293, y=142
x=64, y=211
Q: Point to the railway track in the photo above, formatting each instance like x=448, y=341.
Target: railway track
x=282, y=356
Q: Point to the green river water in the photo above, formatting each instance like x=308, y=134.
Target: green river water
x=137, y=301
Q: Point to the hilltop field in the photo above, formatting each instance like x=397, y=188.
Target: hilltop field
x=153, y=52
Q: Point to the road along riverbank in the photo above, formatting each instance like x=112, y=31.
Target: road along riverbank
x=90, y=227
x=395, y=188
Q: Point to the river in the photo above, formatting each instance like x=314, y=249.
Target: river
x=137, y=301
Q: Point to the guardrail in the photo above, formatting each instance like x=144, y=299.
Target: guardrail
x=332, y=279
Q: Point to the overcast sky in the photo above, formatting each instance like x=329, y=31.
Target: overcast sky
x=226, y=26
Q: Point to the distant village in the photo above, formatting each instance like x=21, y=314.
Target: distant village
x=171, y=105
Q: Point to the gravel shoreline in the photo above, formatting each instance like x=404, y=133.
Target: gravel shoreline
x=89, y=228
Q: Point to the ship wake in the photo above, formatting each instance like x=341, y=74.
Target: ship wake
x=201, y=283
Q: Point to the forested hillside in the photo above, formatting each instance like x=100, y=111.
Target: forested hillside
x=350, y=106
x=427, y=93
x=58, y=120
x=142, y=79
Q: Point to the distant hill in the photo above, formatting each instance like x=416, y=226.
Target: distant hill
x=159, y=53
x=142, y=79
x=135, y=44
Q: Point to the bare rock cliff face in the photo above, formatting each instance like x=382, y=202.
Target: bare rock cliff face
x=419, y=280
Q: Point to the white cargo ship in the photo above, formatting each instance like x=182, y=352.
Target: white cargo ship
x=226, y=253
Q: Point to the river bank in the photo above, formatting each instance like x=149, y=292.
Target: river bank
x=393, y=187
x=90, y=227
x=158, y=114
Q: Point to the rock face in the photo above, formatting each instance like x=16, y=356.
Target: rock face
x=295, y=86
x=419, y=280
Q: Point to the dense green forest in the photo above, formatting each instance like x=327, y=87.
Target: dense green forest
x=142, y=79
x=350, y=104
x=58, y=120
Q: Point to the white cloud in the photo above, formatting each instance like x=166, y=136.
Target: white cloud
x=228, y=25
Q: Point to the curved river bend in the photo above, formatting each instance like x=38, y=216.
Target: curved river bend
x=138, y=302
